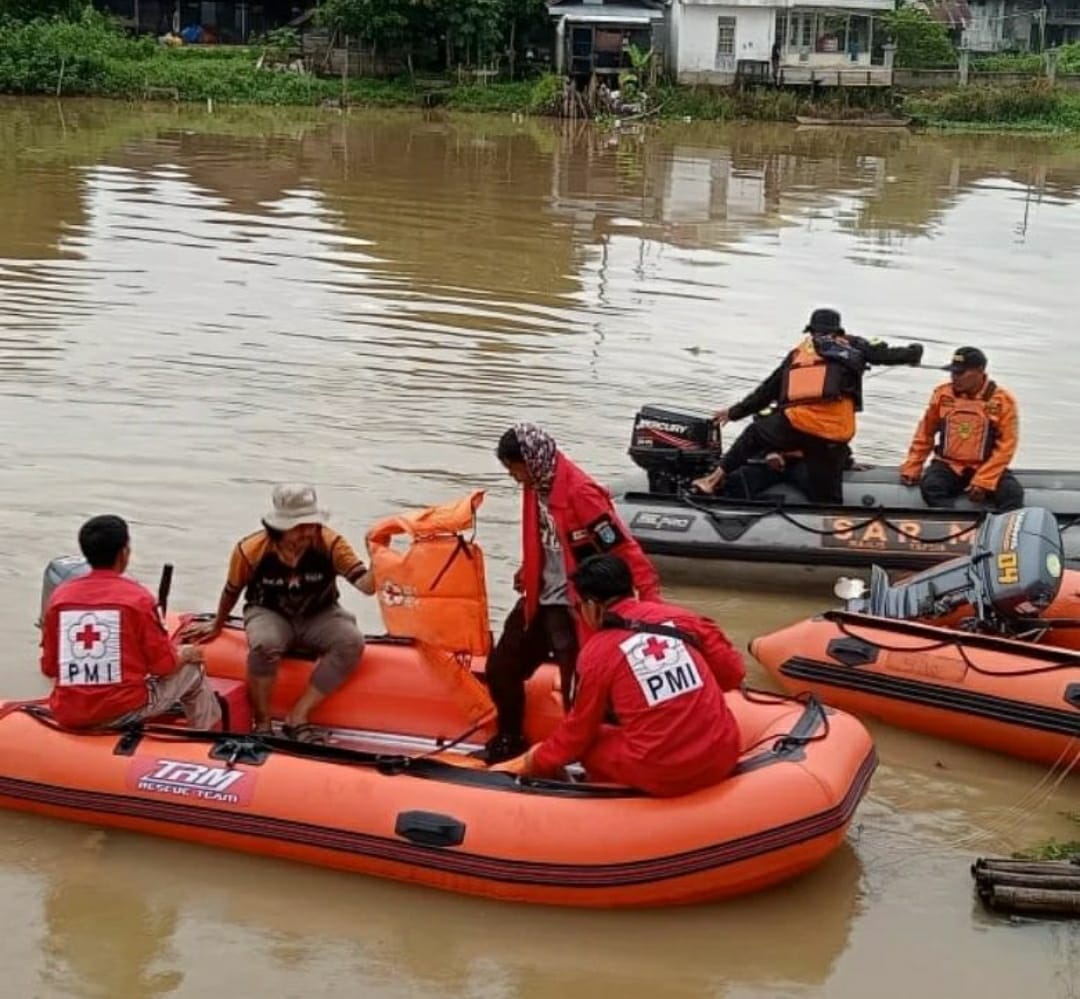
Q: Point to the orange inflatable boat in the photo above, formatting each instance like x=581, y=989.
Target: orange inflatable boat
x=388, y=797
x=395, y=791
x=979, y=650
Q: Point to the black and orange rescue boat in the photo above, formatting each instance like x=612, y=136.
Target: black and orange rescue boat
x=780, y=533
x=980, y=650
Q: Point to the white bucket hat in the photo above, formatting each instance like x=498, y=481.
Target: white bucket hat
x=295, y=504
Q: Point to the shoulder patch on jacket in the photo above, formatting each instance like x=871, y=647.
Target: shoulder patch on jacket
x=606, y=533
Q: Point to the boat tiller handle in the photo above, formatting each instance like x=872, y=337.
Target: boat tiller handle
x=164, y=586
x=430, y=829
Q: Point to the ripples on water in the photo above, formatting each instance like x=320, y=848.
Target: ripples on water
x=194, y=307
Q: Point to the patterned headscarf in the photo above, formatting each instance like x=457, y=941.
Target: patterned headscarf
x=539, y=452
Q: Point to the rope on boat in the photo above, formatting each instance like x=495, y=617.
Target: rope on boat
x=879, y=517
x=965, y=656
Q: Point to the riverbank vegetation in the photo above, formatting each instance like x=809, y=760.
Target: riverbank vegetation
x=1054, y=849
x=1035, y=106
x=74, y=51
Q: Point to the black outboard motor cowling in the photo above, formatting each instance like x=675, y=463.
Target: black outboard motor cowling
x=674, y=447
x=1013, y=572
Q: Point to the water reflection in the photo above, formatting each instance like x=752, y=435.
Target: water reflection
x=127, y=917
x=196, y=306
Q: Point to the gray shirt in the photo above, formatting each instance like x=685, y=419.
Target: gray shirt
x=553, y=580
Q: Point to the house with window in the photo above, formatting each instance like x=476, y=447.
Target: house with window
x=996, y=25
x=793, y=42
x=224, y=21
x=593, y=37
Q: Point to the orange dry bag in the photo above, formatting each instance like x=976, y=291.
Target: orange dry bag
x=435, y=590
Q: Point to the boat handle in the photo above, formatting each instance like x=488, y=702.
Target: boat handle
x=430, y=829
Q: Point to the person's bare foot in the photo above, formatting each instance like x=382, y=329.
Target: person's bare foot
x=710, y=483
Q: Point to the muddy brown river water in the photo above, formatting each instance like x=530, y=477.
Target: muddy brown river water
x=194, y=306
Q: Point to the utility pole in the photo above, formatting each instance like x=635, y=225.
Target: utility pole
x=1042, y=27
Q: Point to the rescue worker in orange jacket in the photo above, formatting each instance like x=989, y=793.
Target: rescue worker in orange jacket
x=971, y=426
x=818, y=390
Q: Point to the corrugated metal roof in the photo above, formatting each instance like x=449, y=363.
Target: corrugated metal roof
x=951, y=13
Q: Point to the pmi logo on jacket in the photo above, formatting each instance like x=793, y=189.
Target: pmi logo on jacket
x=89, y=648
x=661, y=665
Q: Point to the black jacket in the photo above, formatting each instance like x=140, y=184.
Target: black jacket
x=862, y=354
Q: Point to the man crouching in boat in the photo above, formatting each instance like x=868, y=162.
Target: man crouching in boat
x=818, y=390
x=104, y=643
x=288, y=572
x=661, y=671
x=566, y=516
x=972, y=428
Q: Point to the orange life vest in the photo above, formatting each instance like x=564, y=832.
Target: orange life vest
x=809, y=377
x=435, y=590
x=965, y=433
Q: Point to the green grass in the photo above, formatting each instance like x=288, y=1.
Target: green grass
x=1053, y=849
x=1033, y=107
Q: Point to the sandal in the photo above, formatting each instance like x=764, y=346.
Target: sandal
x=306, y=732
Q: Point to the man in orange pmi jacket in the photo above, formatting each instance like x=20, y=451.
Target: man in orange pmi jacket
x=971, y=426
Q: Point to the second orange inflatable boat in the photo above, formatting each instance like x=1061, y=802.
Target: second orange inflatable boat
x=980, y=650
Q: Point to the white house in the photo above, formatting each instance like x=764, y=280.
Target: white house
x=816, y=41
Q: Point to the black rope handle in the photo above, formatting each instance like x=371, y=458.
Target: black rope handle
x=965, y=656
x=879, y=516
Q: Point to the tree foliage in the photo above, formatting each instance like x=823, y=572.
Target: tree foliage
x=469, y=32
x=921, y=42
x=29, y=10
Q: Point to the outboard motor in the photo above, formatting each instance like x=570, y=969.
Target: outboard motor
x=674, y=447
x=58, y=571
x=1013, y=572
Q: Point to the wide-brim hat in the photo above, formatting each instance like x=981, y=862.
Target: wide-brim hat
x=295, y=504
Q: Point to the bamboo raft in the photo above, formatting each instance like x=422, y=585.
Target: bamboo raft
x=1029, y=887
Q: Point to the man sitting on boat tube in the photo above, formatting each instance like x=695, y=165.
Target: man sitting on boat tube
x=565, y=517
x=104, y=643
x=817, y=389
x=288, y=573
x=972, y=428
x=661, y=671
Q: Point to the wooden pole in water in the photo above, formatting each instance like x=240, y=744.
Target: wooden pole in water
x=1034, y=900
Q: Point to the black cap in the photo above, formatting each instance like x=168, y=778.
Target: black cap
x=824, y=321
x=966, y=359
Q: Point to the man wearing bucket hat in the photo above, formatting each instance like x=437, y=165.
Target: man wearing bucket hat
x=288, y=573
x=972, y=429
x=817, y=390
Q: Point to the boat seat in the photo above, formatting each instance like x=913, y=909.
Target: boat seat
x=232, y=696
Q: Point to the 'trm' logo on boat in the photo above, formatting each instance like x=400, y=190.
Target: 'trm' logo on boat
x=184, y=779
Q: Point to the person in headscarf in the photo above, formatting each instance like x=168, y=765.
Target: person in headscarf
x=566, y=517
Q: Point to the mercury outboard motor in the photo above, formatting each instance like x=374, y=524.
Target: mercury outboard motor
x=58, y=571
x=1013, y=573
x=674, y=447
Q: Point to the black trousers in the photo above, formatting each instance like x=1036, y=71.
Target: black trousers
x=824, y=461
x=940, y=486
x=520, y=650
x=755, y=477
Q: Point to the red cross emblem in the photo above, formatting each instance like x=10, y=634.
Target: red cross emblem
x=89, y=636
x=656, y=649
